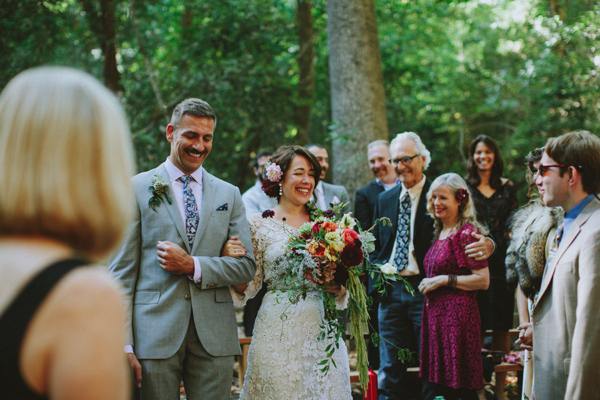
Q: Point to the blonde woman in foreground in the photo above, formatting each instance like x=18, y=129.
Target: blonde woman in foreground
x=65, y=164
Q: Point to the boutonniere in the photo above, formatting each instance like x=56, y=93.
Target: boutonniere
x=158, y=188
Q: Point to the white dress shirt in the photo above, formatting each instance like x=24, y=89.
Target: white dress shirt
x=412, y=268
x=177, y=186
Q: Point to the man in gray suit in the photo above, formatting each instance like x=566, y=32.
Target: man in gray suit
x=181, y=322
x=566, y=321
x=328, y=193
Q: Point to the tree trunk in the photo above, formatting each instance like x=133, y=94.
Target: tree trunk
x=102, y=23
x=306, y=68
x=357, y=93
x=112, y=77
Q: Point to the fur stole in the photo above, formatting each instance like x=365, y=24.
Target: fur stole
x=526, y=254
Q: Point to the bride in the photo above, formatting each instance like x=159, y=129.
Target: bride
x=283, y=359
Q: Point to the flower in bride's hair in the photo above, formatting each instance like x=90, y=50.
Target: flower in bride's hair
x=352, y=255
x=273, y=172
x=271, y=189
x=268, y=214
x=462, y=196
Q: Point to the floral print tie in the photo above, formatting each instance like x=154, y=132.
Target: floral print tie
x=403, y=233
x=191, y=210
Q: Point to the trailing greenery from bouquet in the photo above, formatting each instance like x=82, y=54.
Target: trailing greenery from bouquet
x=331, y=249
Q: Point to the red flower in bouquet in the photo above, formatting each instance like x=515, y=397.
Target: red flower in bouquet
x=316, y=227
x=316, y=247
x=329, y=226
x=352, y=255
x=349, y=236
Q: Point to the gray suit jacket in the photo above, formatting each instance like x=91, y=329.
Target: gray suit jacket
x=331, y=192
x=566, y=330
x=161, y=304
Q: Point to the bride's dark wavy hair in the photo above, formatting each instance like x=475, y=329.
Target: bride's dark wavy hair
x=284, y=156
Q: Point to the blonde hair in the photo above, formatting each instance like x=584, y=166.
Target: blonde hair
x=65, y=160
x=466, y=211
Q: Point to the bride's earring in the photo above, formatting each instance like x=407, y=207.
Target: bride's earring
x=280, y=190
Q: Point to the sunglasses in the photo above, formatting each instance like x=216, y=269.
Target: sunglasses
x=543, y=168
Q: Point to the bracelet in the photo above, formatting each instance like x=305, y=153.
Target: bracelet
x=452, y=281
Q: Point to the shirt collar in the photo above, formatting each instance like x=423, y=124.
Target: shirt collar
x=383, y=185
x=414, y=191
x=175, y=173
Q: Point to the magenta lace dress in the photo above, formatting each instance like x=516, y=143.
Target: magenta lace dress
x=450, y=328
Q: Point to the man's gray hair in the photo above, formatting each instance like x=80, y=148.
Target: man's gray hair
x=419, y=146
x=194, y=107
x=378, y=143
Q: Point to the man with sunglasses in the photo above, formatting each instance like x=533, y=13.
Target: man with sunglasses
x=404, y=245
x=566, y=317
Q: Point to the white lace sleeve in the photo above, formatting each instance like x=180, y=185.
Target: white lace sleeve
x=341, y=302
x=258, y=245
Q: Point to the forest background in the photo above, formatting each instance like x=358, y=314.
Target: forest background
x=519, y=71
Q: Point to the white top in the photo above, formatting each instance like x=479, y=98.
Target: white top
x=412, y=268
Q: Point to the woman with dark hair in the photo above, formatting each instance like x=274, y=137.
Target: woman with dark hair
x=495, y=200
x=283, y=359
x=532, y=228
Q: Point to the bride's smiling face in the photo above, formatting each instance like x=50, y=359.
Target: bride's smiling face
x=299, y=181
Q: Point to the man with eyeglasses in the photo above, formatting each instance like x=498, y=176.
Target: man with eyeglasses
x=566, y=317
x=404, y=245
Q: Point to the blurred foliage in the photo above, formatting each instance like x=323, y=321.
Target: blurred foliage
x=452, y=70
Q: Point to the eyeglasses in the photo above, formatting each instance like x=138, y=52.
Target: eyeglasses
x=404, y=160
x=543, y=168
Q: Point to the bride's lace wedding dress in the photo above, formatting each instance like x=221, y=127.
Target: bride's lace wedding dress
x=284, y=355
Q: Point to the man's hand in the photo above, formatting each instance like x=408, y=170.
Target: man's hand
x=136, y=368
x=525, y=336
x=480, y=250
x=174, y=259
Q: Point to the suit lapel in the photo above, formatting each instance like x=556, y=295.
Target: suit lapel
x=565, y=243
x=392, y=211
x=173, y=208
x=327, y=195
x=421, y=209
x=208, y=206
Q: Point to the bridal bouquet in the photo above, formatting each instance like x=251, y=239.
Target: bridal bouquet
x=329, y=250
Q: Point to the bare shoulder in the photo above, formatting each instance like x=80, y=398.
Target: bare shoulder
x=90, y=284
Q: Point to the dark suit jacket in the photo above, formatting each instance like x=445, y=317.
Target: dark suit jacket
x=364, y=203
x=387, y=206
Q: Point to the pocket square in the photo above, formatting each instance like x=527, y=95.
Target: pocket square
x=335, y=200
x=223, y=207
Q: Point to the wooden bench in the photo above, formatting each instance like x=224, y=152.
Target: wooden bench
x=243, y=359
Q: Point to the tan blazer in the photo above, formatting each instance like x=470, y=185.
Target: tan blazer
x=566, y=318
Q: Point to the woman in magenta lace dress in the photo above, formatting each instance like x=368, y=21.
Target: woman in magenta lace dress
x=450, y=349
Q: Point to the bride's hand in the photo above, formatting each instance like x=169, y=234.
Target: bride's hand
x=233, y=248
x=334, y=288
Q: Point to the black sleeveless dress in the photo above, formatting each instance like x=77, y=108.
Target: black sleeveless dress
x=14, y=322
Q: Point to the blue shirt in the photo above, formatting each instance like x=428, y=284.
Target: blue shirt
x=574, y=213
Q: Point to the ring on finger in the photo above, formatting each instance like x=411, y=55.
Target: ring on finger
x=480, y=253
